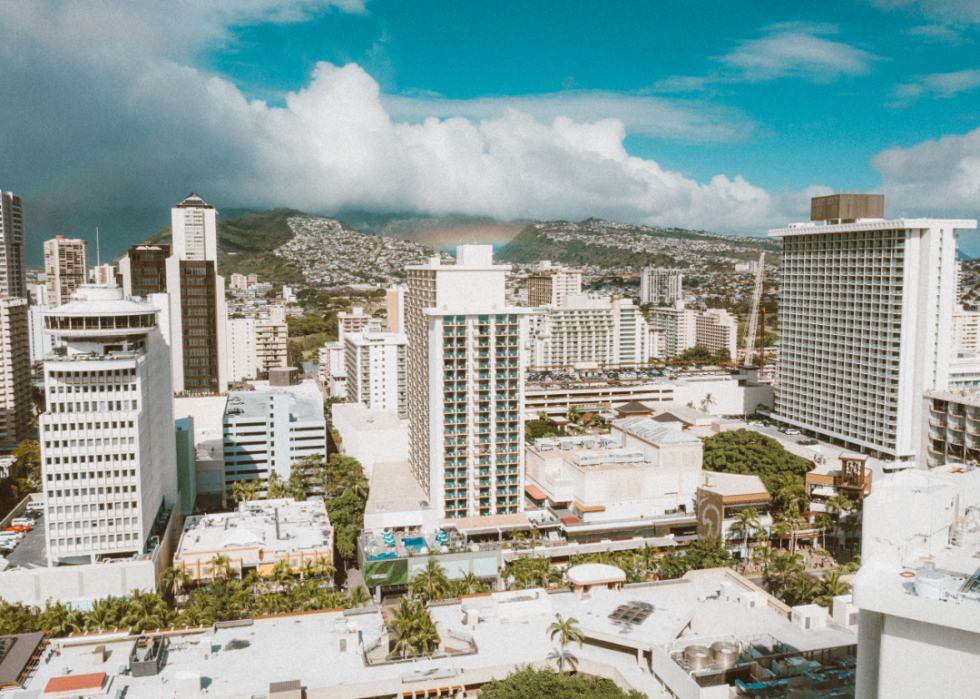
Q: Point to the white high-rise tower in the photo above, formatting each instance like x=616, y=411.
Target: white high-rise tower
x=865, y=321
x=108, y=454
x=465, y=385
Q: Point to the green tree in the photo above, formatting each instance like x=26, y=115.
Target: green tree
x=831, y=586
x=530, y=683
x=274, y=487
x=747, y=522
x=708, y=552
x=431, y=582
x=722, y=356
x=753, y=453
x=244, y=490
x=574, y=415
x=698, y=353
x=567, y=631
x=707, y=402
x=411, y=631
x=359, y=596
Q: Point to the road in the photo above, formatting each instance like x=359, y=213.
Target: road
x=774, y=432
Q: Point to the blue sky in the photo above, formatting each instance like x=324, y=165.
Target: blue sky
x=719, y=115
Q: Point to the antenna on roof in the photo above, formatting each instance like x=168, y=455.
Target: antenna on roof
x=98, y=261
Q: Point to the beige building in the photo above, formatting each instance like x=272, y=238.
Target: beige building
x=395, y=298
x=256, y=537
x=271, y=342
x=65, y=264
x=716, y=330
x=356, y=321
x=550, y=285
x=15, y=370
x=966, y=330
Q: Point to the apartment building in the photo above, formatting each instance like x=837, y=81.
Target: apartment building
x=550, y=285
x=716, y=330
x=589, y=329
x=108, y=453
x=103, y=274
x=395, y=304
x=865, y=320
x=15, y=370
x=238, y=281
x=465, y=385
x=271, y=342
x=376, y=364
x=267, y=431
x=241, y=349
x=951, y=430
x=13, y=269
x=678, y=326
x=966, y=330
x=356, y=321
x=197, y=299
x=65, y=266
x=658, y=285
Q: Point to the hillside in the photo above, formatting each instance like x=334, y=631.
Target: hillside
x=610, y=245
x=246, y=244
x=441, y=233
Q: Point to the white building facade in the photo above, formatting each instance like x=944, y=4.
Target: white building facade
x=865, y=322
x=376, y=364
x=716, y=330
x=108, y=454
x=550, y=285
x=465, y=385
x=241, y=348
x=659, y=285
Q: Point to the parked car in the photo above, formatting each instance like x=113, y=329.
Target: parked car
x=790, y=431
x=18, y=528
x=23, y=521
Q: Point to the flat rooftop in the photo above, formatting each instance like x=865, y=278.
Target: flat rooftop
x=394, y=489
x=301, y=526
x=364, y=419
x=512, y=630
x=245, y=405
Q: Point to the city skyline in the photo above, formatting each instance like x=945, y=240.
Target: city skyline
x=728, y=125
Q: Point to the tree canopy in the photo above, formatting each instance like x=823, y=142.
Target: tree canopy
x=530, y=683
x=698, y=353
x=751, y=453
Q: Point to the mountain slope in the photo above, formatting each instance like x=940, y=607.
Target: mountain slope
x=441, y=233
x=246, y=244
x=606, y=244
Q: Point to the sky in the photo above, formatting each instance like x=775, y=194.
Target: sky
x=725, y=115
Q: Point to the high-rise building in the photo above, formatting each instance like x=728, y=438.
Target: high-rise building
x=197, y=298
x=108, y=452
x=966, y=330
x=376, y=370
x=395, y=297
x=355, y=322
x=41, y=343
x=465, y=385
x=13, y=271
x=593, y=329
x=15, y=370
x=658, y=285
x=271, y=342
x=716, y=329
x=103, y=274
x=550, y=285
x=678, y=327
x=144, y=270
x=65, y=265
x=238, y=281
x=865, y=321
x=241, y=349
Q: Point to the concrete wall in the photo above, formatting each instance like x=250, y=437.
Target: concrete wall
x=373, y=446
x=77, y=583
x=729, y=398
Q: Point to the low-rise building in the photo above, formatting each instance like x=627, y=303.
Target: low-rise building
x=918, y=589
x=721, y=497
x=256, y=537
x=370, y=436
x=356, y=321
x=550, y=285
x=951, y=430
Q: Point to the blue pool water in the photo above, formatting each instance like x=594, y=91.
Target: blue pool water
x=414, y=544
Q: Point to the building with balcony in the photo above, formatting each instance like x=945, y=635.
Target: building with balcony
x=716, y=330
x=144, y=270
x=678, y=326
x=356, y=321
x=241, y=348
x=966, y=330
x=951, y=430
x=465, y=385
x=16, y=407
x=271, y=342
x=658, y=285
x=13, y=269
x=108, y=454
x=65, y=267
x=269, y=430
x=375, y=365
x=550, y=285
x=865, y=316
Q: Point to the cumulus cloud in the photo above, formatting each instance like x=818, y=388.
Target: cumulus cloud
x=937, y=177
x=956, y=11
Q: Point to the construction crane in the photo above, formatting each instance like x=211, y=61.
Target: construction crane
x=757, y=306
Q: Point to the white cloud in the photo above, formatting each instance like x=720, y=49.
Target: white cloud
x=937, y=177
x=939, y=85
x=111, y=112
x=955, y=11
x=797, y=50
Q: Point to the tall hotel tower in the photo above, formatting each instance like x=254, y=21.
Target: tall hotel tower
x=865, y=320
x=465, y=385
x=108, y=454
x=13, y=272
x=66, y=267
x=197, y=299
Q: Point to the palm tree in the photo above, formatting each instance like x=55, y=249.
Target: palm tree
x=359, y=486
x=174, y=581
x=62, y=620
x=574, y=415
x=747, y=522
x=471, y=583
x=851, y=566
x=790, y=492
x=274, y=488
x=411, y=630
x=786, y=565
x=430, y=582
x=764, y=555
x=220, y=567
x=707, y=402
x=829, y=587
x=838, y=505
x=244, y=490
x=359, y=596
x=802, y=588
x=781, y=528
x=567, y=632
x=516, y=534
x=307, y=570
x=282, y=574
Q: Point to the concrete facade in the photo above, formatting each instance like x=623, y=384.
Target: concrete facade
x=376, y=364
x=370, y=436
x=65, y=267
x=659, y=285
x=13, y=269
x=16, y=407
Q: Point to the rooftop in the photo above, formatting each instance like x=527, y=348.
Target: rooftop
x=364, y=419
x=653, y=432
x=279, y=525
x=394, y=489
x=733, y=484
x=257, y=404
